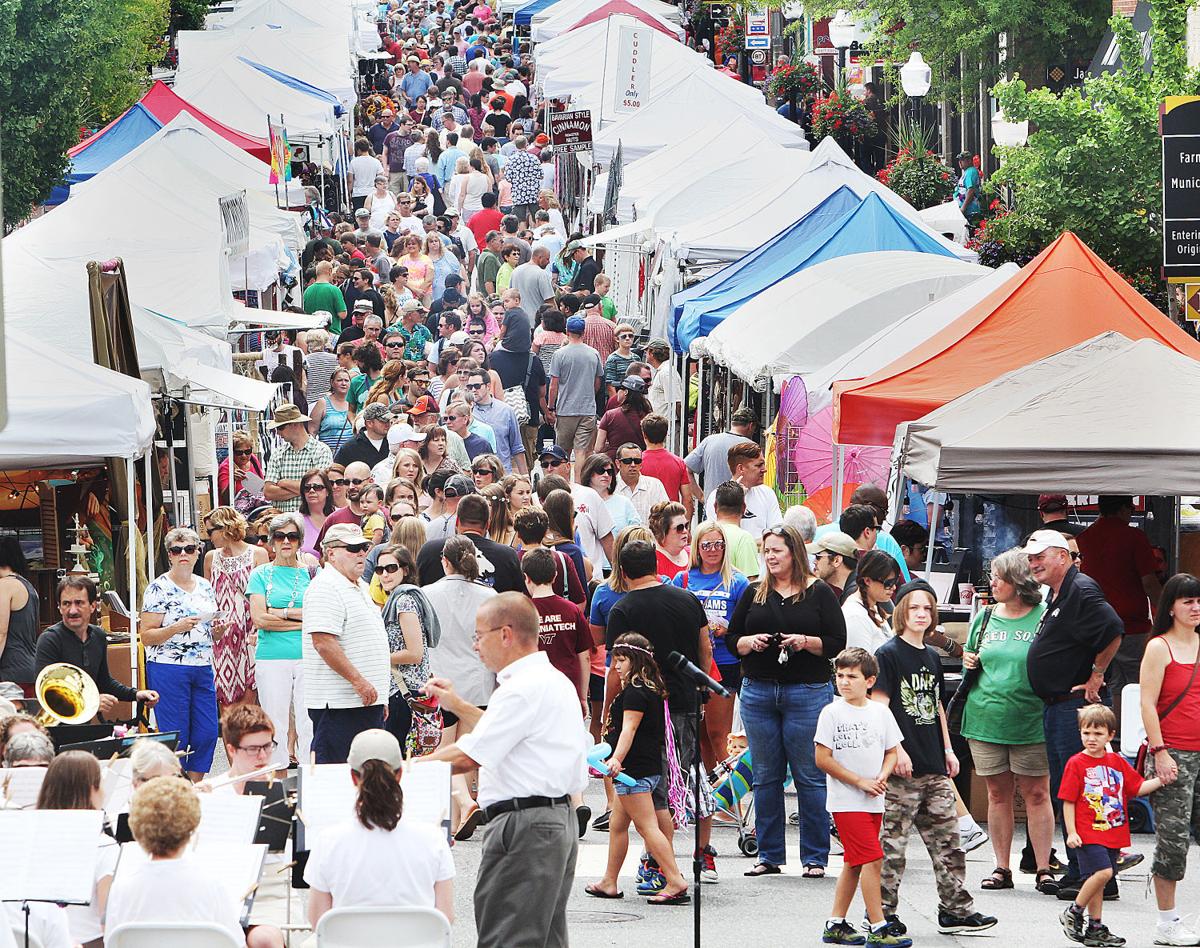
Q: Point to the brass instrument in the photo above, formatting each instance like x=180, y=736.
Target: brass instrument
x=66, y=694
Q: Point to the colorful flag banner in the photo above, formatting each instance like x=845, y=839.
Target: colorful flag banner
x=281, y=154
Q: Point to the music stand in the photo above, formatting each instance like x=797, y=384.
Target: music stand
x=110, y=747
x=275, y=819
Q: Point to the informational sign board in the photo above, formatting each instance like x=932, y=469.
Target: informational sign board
x=235, y=216
x=758, y=31
x=632, y=64
x=1180, y=125
x=571, y=131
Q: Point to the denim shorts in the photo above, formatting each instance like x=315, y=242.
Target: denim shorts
x=642, y=785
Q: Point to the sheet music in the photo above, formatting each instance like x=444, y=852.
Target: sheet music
x=426, y=789
x=237, y=866
x=227, y=818
x=116, y=783
x=69, y=843
x=19, y=787
x=326, y=798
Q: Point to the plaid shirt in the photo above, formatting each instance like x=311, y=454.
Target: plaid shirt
x=288, y=464
x=460, y=66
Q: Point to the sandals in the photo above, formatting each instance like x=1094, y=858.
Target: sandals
x=471, y=821
x=763, y=869
x=813, y=872
x=999, y=879
x=679, y=898
x=597, y=893
x=1046, y=883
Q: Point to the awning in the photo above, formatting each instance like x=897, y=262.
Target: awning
x=219, y=388
x=251, y=319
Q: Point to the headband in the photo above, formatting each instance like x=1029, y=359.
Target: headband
x=634, y=648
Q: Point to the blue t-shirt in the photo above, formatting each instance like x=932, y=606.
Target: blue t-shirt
x=968, y=180
x=718, y=602
x=603, y=600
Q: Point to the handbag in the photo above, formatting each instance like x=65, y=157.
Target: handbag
x=514, y=395
x=1139, y=763
x=958, y=702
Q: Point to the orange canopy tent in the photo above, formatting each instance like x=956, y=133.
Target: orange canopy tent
x=1064, y=296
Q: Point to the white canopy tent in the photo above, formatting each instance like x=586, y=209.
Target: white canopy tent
x=947, y=219
x=893, y=340
x=705, y=95
x=729, y=236
x=560, y=17
x=1062, y=424
x=554, y=53
x=708, y=147
x=334, y=18
x=68, y=412
x=830, y=308
x=306, y=54
x=242, y=97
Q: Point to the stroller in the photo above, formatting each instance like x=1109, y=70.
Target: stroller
x=733, y=778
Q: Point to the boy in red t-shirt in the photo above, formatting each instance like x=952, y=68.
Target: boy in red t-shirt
x=669, y=468
x=563, y=631
x=1095, y=787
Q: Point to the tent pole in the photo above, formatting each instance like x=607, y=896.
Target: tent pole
x=933, y=519
x=149, y=496
x=229, y=454
x=839, y=476
x=131, y=565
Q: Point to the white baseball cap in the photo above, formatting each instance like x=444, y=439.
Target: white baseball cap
x=1042, y=540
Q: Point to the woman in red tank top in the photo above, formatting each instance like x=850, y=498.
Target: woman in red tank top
x=1170, y=692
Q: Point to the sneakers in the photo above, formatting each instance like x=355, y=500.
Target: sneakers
x=1098, y=936
x=1128, y=859
x=842, y=933
x=1175, y=933
x=583, y=813
x=950, y=924
x=1072, y=923
x=1068, y=890
x=650, y=881
x=884, y=939
x=1029, y=863
x=600, y=823
x=708, y=871
x=893, y=927
x=972, y=839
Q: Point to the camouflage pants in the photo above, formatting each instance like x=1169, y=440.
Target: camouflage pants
x=1176, y=816
x=928, y=803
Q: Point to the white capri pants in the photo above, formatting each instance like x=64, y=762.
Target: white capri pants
x=281, y=680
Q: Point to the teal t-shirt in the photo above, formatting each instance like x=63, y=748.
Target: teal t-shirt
x=1001, y=706
x=283, y=588
x=969, y=179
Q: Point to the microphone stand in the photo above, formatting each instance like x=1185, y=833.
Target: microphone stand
x=697, y=855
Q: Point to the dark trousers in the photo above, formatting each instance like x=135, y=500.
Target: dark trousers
x=1061, y=724
x=399, y=718
x=525, y=878
x=335, y=728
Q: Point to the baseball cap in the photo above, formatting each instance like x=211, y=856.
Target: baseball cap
x=743, y=416
x=399, y=434
x=1042, y=540
x=834, y=542
x=575, y=324
x=459, y=338
x=574, y=245
x=1052, y=502
x=592, y=299
x=362, y=212
x=542, y=139
x=410, y=306
x=425, y=405
x=344, y=534
x=374, y=744
x=459, y=486
x=554, y=451
x=451, y=212
x=634, y=383
x=376, y=411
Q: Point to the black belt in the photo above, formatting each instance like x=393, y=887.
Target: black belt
x=522, y=803
x=1059, y=699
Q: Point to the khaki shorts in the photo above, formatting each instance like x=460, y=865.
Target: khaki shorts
x=1028, y=760
x=576, y=433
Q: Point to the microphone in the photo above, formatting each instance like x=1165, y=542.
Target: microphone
x=679, y=662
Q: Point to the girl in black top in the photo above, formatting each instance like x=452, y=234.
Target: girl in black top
x=636, y=731
x=786, y=628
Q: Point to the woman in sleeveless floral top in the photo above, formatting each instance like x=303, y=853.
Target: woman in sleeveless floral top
x=228, y=568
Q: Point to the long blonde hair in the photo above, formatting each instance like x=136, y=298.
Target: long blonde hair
x=616, y=581
x=726, y=570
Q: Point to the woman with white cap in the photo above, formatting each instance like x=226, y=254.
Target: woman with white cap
x=378, y=858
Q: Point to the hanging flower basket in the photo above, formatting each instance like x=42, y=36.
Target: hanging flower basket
x=919, y=177
x=731, y=40
x=843, y=117
x=802, y=81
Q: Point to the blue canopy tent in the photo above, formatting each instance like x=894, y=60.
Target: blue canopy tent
x=777, y=251
x=524, y=16
x=870, y=226
x=298, y=84
x=128, y=131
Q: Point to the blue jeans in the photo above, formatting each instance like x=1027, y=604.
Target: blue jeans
x=781, y=722
x=1061, y=725
x=187, y=703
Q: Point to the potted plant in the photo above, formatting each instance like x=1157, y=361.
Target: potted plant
x=917, y=174
x=798, y=83
x=843, y=117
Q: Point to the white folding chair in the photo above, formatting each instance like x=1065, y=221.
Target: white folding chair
x=383, y=927
x=176, y=934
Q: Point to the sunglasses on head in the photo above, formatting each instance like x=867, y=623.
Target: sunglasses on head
x=388, y=568
x=279, y=536
x=189, y=549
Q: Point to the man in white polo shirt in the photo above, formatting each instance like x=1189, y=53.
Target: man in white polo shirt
x=529, y=746
x=345, y=648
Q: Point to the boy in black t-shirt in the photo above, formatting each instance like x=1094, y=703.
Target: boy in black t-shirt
x=919, y=790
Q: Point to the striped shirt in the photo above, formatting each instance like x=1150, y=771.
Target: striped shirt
x=319, y=367
x=288, y=464
x=337, y=606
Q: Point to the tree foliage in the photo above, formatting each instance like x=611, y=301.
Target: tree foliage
x=1039, y=31
x=1092, y=165
x=63, y=66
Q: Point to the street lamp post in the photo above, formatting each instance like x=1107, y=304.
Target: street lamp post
x=842, y=30
x=915, y=79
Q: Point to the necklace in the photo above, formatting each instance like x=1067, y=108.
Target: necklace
x=295, y=585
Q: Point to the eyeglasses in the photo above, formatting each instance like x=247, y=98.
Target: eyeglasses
x=355, y=547
x=478, y=635
x=624, y=335
x=388, y=568
x=395, y=518
x=313, y=488
x=629, y=460
x=474, y=386
x=340, y=482
x=710, y=546
x=1076, y=557
x=419, y=379
x=680, y=528
x=189, y=549
x=279, y=536
x=259, y=748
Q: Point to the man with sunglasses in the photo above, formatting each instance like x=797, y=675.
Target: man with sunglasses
x=501, y=419
x=588, y=502
x=834, y=558
x=643, y=491
x=358, y=478
x=346, y=656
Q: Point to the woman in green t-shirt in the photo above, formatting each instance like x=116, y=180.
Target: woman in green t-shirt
x=276, y=593
x=1002, y=718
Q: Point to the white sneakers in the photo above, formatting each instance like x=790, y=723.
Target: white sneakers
x=1175, y=933
x=972, y=838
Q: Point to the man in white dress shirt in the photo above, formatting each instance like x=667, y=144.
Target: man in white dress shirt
x=530, y=748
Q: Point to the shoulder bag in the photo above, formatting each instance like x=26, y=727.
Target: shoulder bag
x=515, y=398
x=958, y=702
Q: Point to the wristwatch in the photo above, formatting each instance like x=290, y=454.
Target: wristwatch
x=1097, y=670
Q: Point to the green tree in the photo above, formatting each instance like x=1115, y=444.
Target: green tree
x=124, y=44
x=958, y=38
x=1093, y=163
